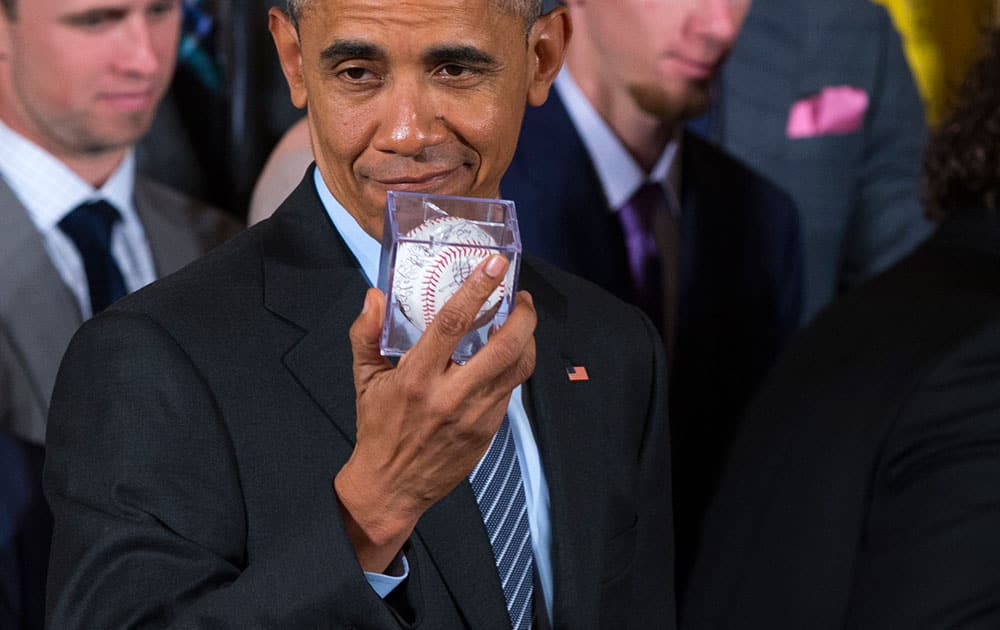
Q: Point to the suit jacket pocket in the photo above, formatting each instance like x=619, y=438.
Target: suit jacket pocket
x=619, y=552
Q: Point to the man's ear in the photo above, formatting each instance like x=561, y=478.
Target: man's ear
x=547, y=46
x=288, y=45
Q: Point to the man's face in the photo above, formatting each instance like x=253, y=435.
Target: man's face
x=665, y=53
x=84, y=76
x=411, y=95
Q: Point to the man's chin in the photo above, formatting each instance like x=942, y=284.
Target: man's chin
x=673, y=108
x=100, y=146
x=117, y=137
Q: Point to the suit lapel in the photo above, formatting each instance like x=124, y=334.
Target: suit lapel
x=565, y=420
x=37, y=309
x=456, y=540
x=172, y=240
x=312, y=280
x=555, y=185
x=775, y=49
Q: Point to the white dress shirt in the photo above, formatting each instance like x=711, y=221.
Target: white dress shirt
x=49, y=190
x=368, y=251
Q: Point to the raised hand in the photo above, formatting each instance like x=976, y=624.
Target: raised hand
x=423, y=425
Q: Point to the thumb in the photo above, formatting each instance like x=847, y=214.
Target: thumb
x=364, y=335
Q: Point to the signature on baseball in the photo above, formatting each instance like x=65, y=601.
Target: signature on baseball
x=433, y=260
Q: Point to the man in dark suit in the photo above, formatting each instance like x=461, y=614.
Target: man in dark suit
x=728, y=240
x=79, y=84
x=818, y=97
x=216, y=459
x=862, y=493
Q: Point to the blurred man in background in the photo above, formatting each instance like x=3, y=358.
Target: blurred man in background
x=610, y=187
x=79, y=84
x=818, y=97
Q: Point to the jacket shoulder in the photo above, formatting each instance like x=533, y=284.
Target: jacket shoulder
x=185, y=211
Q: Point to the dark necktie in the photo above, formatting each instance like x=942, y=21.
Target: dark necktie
x=89, y=227
x=496, y=482
x=645, y=262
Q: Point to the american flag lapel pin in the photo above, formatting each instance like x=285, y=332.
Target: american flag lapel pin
x=577, y=373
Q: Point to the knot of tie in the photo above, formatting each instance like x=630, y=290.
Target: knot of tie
x=638, y=219
x=89, y=226
x=638, y=214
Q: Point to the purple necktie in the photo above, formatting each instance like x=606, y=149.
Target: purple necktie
x=645, y=262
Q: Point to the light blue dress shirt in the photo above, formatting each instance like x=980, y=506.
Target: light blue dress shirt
x=620, y=175
x=368, y=251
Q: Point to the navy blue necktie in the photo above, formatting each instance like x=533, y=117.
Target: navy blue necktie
x=89, y=226
x=496, y=482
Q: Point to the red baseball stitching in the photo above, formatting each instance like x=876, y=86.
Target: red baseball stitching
x=432, y=277
x=454, y=253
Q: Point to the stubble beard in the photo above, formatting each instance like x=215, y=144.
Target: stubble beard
x=133, y=127
x=658, y=101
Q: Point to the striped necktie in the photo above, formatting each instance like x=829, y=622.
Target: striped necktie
x=496, y=482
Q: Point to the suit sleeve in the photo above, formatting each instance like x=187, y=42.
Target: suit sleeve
x=931, y=550
x=888, y=219
x=150, y=523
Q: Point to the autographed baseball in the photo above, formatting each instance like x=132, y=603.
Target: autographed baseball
x=427, y=274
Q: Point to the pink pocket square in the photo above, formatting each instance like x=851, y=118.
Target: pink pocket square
x=835, y=110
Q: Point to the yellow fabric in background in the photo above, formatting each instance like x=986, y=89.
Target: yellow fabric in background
x=941, y=38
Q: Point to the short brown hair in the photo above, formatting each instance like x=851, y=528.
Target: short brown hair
x=963, y=157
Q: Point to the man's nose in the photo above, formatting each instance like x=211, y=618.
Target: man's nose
x=720, y=20
x=137, y=52
x=409, y=119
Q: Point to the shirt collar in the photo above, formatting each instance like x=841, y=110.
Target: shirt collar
x=365, y=248
x=619, y=173
x=48, y=189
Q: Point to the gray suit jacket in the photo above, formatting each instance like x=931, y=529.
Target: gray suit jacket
x=858, y=193
x=38, y=313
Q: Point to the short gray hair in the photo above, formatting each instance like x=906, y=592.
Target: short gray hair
x=528, y=9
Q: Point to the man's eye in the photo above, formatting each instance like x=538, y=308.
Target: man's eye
x=356, y=74
x=93, y=19
x=162, y=8
x=453, y=70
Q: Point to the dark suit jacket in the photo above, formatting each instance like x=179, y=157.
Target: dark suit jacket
x=863, y=491
x=858, y=193
x=25, y=528
x=740, y=276
x=197, y=425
